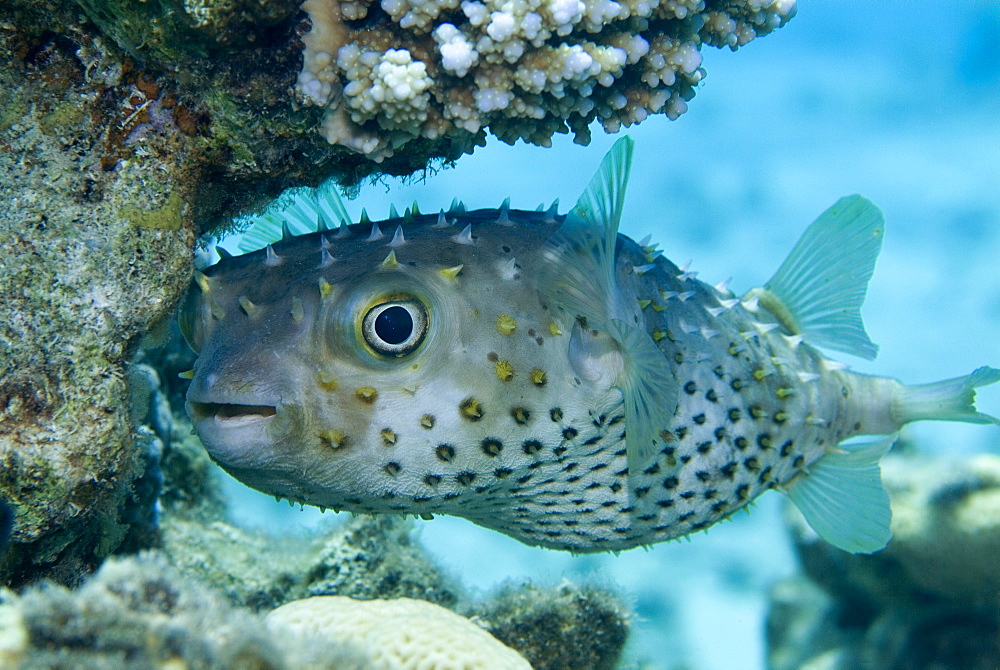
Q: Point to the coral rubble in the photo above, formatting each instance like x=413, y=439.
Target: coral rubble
x=389, y=72
x=931, y=599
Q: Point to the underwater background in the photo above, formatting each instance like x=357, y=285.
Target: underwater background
x=898, y=101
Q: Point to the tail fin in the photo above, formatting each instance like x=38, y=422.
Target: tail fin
x=948, y=400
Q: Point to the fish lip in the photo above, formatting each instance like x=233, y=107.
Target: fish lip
x=232, y=412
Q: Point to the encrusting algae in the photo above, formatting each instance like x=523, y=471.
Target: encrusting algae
x=541, y=375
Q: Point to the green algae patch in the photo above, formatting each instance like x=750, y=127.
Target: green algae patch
x=168, y=216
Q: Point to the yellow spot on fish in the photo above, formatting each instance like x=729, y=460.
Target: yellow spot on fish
x=334, y=439
x=427, y=421
x=298, y=313
x=327, y=381
x=216, y=309
x=187, y=374
x=784, y=392
x=202, y=282
x=505, y=371
x=390, y=262
x=658, y=334
x=538, y=377
x=657, y=307
x=450, y=273
x=506, y=324
x=367, y=395
x=325, y=288
x=760, y=373
x=388, y=437
x=643, y=303
x=471, y=409
x=554, y=329
x=248, y=307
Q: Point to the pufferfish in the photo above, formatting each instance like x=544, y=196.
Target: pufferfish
x=542, y=375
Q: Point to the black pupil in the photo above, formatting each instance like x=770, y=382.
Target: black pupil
x=394, y=325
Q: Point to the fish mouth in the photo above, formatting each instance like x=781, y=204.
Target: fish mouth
x=238, y=431
x=228, y=414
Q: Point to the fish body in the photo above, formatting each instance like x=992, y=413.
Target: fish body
x=544, y=376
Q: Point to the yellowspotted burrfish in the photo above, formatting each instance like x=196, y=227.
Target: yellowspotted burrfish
x=544, y=376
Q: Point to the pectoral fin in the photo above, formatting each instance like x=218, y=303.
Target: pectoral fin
x=579, y=282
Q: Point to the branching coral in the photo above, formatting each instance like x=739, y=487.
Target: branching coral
x=396, y=70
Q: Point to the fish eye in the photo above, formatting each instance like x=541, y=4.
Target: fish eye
x=396, y=327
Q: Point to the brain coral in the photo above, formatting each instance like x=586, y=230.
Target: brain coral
x=399, y=634
x=391, y=71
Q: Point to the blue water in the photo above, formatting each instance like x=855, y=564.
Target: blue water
x=898, y=101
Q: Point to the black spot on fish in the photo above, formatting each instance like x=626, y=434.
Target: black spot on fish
x=720, y=434
x=711, y=396
x=615, y=487
x=491, y=446
x=704, y=448
x=786, y=448
x=670, y=483
x=741, y=443
x=465, y=478
x=729, y=470
x=559, y=451
x=652, y=469
x=432, y=480
x=666, y=504
x=392, y=468
x=764, y=441
x=445, y=452
x=756, y=412
x=690, y=388
x=531, y=447
x=703, y=476
x=699, y=419
x=641, y=491
x=735, y=414
x=570, y=433
x=556, y=414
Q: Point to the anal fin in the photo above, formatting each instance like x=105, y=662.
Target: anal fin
x=842, y=497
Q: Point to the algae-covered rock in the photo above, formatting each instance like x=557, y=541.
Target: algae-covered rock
x=931, y=599
x=96, y=250
x=562, y=627
x=141, y=613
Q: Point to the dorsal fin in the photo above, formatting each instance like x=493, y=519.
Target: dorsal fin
x=819, y=289
x=579, y=281
x=295, y=212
